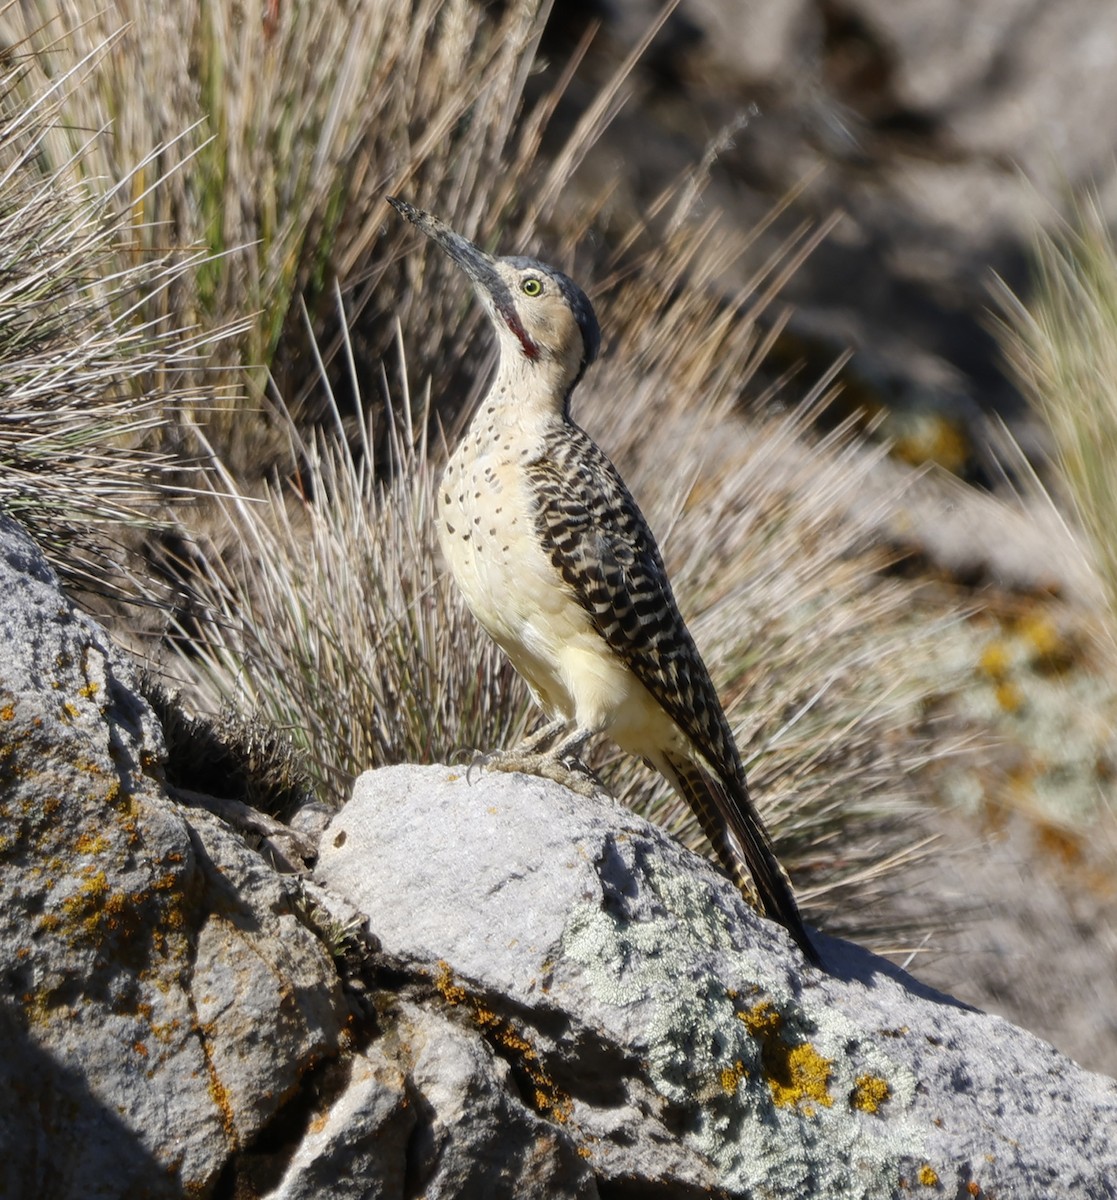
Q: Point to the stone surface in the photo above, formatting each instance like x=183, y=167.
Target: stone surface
x=678, y=1038
x=357, y=1147
x=159, y=998
x=429, y=1110
x=556, y=1000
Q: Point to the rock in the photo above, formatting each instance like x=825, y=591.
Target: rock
x=356, y=1147
x=430, y=1102
x=160, y=999
x=552, y=999
x=677, y=1039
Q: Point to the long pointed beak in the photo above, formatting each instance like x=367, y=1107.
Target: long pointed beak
x=473, y=261
x=478, y=266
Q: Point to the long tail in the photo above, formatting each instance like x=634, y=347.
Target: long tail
x=741, y=843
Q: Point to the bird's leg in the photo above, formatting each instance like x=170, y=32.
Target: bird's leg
x=535, y=742
x=529, y=747
x=562, y=762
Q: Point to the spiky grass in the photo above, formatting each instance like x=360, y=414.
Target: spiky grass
x=1062, y=346
x=84, y=378
x=333, y=621
x=296, y=130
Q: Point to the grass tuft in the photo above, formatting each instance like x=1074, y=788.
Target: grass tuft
x=85, y=377
x=1062, y=347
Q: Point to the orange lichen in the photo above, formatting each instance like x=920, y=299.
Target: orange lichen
x=549, y=1099
x=797, y=1075
x=1061, y=843
x=219, y=1094
x=446, y=987
x=869, y=1093
x=7, y=712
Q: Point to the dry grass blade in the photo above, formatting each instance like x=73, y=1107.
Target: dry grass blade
x=1063, y=348
x=84, y=379
x=298, y=130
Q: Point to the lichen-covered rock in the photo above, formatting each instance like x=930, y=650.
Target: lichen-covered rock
x=159, y=999
x=356, y=1147
x=678, y=1039
x=428, y=1110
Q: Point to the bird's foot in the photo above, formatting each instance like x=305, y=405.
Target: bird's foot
x=569, y=770
x=541, y=739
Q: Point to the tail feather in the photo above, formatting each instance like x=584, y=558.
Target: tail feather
x=741, y=844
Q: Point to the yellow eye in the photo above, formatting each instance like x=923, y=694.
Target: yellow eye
x=531, y=286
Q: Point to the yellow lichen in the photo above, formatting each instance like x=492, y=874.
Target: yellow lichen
x=91, y=843
x=996, y=660
x=94, y=911
x=762, y=1020
x=549, y=1098
x=730, y=1077
x=1009, y=696
x=89, y=691
x=797, y=1075
x=928, y=1176
x=869, y=1093
x=1039, y=630
x=802, y=1080
x=89, y=897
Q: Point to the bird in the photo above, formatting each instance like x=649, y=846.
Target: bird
x=556, y=561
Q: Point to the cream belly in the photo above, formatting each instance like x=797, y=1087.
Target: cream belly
x=487, y=534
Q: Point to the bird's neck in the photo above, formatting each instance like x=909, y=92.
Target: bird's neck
x=534, y=396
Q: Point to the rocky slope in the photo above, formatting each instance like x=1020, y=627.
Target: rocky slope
x=493, y=988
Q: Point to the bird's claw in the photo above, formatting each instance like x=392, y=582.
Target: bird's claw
x=568, y=770
x=571, y=772
x=478, y=762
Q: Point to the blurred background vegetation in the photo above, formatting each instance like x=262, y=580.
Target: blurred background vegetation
x=228, y=378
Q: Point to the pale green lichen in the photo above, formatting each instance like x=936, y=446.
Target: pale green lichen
x=755, y=1067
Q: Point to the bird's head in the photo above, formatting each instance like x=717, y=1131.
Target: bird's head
x=543, y=319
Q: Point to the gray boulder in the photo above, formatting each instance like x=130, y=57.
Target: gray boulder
x=559, y=1000
x=676, y=1040
x=160, y=999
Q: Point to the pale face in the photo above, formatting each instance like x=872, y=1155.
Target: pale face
x=546, y=325
x=548, y=333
